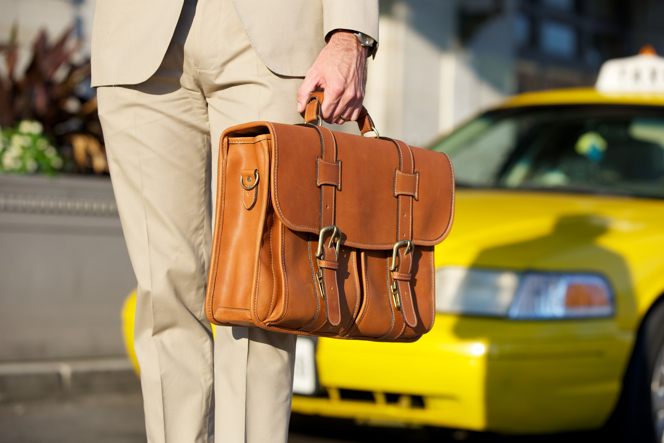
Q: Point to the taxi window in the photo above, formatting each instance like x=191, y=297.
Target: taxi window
x=594, y=149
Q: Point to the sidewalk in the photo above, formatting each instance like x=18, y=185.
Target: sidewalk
x=64, y=380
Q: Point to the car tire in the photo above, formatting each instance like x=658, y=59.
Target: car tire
x=640, y=411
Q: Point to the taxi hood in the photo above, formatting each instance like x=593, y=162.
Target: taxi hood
x=524, y=230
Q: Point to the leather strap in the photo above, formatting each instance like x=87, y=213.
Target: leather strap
x=406, y=184
x=329, y=263
x=401, y=276
x=312, y=113
x=328, y=173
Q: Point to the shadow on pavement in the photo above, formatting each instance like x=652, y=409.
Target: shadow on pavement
x=304, y=429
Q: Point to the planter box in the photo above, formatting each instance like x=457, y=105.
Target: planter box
x=64, y=269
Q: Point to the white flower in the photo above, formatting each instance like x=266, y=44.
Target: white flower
x=42, y=143
x=56, y=162
x=20, y=140
x=10, y=163
x=50, y=151
x=30, y=127
x=31, y=165
x=6, y=160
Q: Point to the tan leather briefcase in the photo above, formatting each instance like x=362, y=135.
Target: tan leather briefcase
x=326, y=233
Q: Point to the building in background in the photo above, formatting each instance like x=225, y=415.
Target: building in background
x=441, y=61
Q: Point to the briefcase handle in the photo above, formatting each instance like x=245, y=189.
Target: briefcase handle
x=312, y=114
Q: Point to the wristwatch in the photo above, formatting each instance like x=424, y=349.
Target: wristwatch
x=367, y=42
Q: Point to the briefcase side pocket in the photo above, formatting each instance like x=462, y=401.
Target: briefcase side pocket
x=244, y=171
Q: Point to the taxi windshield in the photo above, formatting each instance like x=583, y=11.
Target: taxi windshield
x=608, y=149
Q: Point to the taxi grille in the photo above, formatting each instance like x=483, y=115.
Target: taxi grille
x=403, y=400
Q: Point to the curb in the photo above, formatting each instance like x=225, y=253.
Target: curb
x=64, y=380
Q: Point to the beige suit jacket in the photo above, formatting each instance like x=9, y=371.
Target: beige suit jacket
x=130, y=37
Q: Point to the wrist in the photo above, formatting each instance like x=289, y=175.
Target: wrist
x=347, y=40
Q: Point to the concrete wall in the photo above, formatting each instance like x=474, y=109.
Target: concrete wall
x=64, y=269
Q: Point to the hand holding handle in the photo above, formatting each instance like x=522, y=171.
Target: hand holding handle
x=313, y=113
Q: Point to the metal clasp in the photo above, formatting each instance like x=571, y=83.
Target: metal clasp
x=395, y=295
x=336, y=233
x=252, y=185
x=321, y=288
x=395, y=251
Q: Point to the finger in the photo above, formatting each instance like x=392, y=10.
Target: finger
x=308, y=85
x=347, y=106
x=333, y=95
x=349, y=114
x=355, y=112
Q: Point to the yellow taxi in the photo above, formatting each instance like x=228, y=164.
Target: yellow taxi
x=549, y=288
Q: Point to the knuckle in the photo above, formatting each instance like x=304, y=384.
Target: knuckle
x=336, y=89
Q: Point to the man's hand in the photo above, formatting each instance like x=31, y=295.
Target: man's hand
x=340, y=69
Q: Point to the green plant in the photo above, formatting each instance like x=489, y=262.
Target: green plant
x=25, y=149
x=54, y=91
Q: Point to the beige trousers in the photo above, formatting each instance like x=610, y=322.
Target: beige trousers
x=162, y=142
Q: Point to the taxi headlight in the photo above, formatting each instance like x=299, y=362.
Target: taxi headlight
x=533, y=295
x=475, y=291
x=543, y=295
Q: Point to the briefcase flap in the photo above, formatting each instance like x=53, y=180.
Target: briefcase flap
x=366, y=177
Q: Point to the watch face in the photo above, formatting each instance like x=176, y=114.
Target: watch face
x=365, y=40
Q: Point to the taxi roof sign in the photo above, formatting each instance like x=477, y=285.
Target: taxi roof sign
x=642, y=73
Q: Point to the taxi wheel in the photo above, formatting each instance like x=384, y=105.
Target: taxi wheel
x=642, y=402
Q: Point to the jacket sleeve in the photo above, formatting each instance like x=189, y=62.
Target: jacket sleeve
x=354, y=15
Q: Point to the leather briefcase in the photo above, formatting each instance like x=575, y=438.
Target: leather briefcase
x=326, y=233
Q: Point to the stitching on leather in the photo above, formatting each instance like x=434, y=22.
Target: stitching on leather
x=257, y=139
x=274, y=181
x=274, y=280
x=313, y=277
x=353, y=259
x=420, y=241
x=389, y=298
x=410, y=302
x=221, y=308
x=412, y=159
x=336, y=283
x=366, y=294
x=244, y=195
x=221, y=189
x=258, y=273
x=336, y=286
x=283, y=265
x=410, y=218
x=326, y=182
x=394, y=187
x=402, y=275
x=358, y=291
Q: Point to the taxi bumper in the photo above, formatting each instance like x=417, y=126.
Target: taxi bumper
x=477, y=374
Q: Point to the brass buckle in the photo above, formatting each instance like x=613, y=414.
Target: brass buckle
x=395, y=251
x=319, y=277
x=395, y=295
x=336, y=232
x=254, y=184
